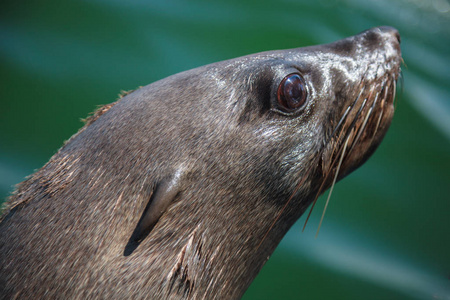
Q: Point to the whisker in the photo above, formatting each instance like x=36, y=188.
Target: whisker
x=332, y=185
x=344, y=116
x=312, y=206
x=378, y=123
x=361, y=87
x=334, y=160
x=366, y=119
x=394, y=91
x=361, y=129
x=319, y=191
x=386, y=91
x=353, y=124
x=382, y=107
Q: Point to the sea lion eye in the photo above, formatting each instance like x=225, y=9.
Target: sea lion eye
x=291, y=94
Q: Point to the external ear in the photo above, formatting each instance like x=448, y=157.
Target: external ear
x=164, y=193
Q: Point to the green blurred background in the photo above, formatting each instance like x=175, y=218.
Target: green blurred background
x=387, y=229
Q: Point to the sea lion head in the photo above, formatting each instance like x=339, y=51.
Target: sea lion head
x=184, y=187
x=275, y=118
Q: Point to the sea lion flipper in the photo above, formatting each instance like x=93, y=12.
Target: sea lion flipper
x=163, y=194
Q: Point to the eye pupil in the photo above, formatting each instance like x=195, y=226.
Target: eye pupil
x=292, y=93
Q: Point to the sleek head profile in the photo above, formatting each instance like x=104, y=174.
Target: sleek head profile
x=183, y=188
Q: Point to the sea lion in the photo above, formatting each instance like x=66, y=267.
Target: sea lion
x=184, y=187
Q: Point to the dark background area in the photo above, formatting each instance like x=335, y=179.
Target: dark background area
x=387, y=228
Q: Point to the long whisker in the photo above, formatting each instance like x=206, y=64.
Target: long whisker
x=332, y=185
x=361, y=88
x=319, y=191
x=312, y=206
x=334, y=161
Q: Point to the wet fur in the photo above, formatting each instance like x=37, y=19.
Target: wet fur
x=244, y=172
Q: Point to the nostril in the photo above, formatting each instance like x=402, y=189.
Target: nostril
x=397, y=35
x=390, y=30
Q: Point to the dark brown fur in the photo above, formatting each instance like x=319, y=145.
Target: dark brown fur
x=212, y=147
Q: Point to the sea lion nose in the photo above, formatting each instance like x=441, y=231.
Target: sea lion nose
x=384, y=38
x=390, y=31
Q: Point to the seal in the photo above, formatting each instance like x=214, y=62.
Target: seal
x=183, y=188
